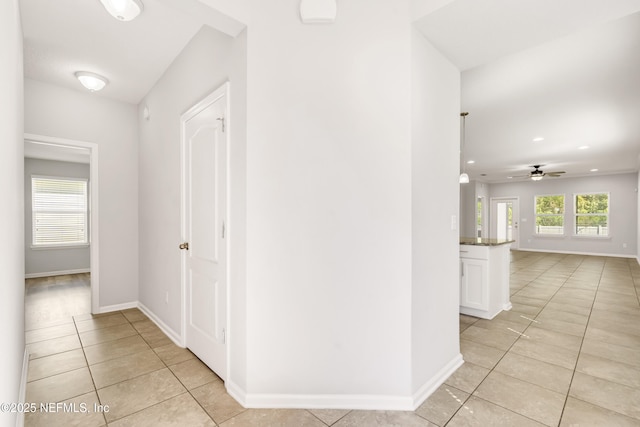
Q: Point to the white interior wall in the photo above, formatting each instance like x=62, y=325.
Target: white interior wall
x=51, y=261
x=329, y=205
x=623, y=213
x=12, y=214
x=210, y=59
x=435, y=188
x=63, y=113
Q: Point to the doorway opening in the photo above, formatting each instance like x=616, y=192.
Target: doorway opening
x=61, y=229
x=504, y=219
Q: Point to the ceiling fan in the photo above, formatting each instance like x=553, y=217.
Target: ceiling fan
x=536, y=174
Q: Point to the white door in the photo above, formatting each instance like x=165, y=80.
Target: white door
x=204, y=157
x=505, y=220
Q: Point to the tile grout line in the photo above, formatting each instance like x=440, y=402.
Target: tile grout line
x=573, y=373
x=500, y=359
x=530, y=324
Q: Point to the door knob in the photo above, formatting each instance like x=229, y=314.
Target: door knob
x=184, y=245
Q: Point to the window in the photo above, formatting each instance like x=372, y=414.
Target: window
x=592, y=214
x=550, y=215
x=59, y=208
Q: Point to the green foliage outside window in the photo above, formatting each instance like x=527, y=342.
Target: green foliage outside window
x=592, y=214
x=550, y=214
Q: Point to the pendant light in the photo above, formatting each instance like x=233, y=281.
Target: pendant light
x=123, y=10
x=464, y=178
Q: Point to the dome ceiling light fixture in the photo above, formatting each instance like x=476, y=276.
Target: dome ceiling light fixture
x=92, y=81
x=123, y=10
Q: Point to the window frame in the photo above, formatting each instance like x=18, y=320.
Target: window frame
x=576, y=214
x=60, y=245
x=561, y=215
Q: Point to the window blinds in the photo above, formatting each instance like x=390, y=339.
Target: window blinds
x=59, y=211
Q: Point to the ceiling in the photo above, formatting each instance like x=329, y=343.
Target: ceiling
x=65, y=36
x=565, y=70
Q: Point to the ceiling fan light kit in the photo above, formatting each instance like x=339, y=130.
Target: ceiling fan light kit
x=537, y=174
x=123, y=10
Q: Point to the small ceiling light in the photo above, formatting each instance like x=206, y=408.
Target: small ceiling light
x=593, y=170
x=470, y=162
x=123, y=10
x=536, y=177
x=583, y=147
x=464, y=178
x=92, y=81
x=538, y=139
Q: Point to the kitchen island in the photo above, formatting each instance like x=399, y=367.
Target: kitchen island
x=484, y=276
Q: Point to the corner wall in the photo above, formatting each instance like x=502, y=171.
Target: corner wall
x=329, y=206
x=435, y=243
x=12, y=214
x=209, y=59
x=63, y=113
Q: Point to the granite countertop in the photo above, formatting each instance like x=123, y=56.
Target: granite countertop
x=483, y=241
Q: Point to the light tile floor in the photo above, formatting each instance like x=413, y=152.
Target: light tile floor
x=567, y=354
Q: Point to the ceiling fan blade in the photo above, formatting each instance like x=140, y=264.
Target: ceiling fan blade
x=556, y=173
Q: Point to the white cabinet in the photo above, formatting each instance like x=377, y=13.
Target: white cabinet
x=484, y=280
x=474, y=288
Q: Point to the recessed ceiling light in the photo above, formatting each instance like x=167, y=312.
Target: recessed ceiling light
x=123, y=10
x=470, y=162
x=538, y=139
x=593, y=170
x=509, y=177
x=583, y=147
x=92, y=81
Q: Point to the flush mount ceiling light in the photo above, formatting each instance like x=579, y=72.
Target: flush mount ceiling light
x=318, y=11
x=123, y=10
x=92, y=81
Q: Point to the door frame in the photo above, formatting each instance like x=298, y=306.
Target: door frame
x=94, y=229
x=222, y=90
x=494, y=214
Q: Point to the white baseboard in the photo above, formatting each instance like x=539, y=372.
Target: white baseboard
x=117, y=307
x=175, y=337
x=577, y=253
x=22, y=393
x=56, y=273
x=436, y=381
x=345, y=401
